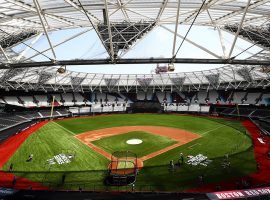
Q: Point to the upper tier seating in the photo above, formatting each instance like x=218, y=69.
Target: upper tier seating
x=252, y=98
x=79, y=99
x=238, y=97
x=141, y=96
x=68, y=98
x=2, y=100
x=13, y=100
x=149, y=95
x=65, y=99
x=28, y=101
x=109, y=98
x=100, y=108
x=42, y=100
x=57, y=98
x=200, y=97
x=160, y=96
x=213, y=95
x=186, y=108
x=265, y=99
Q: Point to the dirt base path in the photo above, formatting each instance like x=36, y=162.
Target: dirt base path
x=181, y=136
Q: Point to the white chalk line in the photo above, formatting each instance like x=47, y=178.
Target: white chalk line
x=64, y=128
x=212, y=130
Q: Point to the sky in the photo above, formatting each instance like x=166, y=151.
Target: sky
x=157, y=43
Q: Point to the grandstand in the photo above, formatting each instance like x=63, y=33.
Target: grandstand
x=69, y=67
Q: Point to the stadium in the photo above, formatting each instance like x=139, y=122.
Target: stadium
x=131, y=99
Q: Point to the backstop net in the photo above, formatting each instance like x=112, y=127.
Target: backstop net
x=123, y=163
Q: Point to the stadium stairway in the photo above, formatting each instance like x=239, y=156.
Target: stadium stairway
x=7, y=149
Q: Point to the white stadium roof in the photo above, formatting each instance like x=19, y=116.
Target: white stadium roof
x=120, y=25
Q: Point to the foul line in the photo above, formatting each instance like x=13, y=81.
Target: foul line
x=64, y=128
x=227, y=124
x=190, y=147
x=212, y=130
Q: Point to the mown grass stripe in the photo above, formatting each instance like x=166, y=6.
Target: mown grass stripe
x=62, y=127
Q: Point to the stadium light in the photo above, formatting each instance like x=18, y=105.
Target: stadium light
x=62, y=69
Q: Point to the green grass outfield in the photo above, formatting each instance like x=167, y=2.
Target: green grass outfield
x=88, y=169
x=151, y=143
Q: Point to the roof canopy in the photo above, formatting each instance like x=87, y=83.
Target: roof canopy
x=119, y=25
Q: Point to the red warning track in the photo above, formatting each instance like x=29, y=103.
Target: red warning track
x=262, y=175
x=7, y=149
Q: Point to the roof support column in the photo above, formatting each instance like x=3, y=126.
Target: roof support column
x=176, y=28
x=109, y=30
x=60, y=43
x=161, y=10
x=219, y=33
x=120, y=4
x=193, y=43
x=44, y=27
x=239, y=28
x=4, y=53
x=29, y=47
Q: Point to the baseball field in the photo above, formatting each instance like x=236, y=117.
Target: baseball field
x=75, y=152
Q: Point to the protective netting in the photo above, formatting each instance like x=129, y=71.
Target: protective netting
x=123, y=163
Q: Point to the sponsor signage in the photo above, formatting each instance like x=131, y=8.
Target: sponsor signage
x=238, y=194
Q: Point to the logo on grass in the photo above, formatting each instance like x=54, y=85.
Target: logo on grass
x=198, y=160
x=61, y=159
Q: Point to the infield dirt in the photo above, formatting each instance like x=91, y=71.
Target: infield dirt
x=181, y=136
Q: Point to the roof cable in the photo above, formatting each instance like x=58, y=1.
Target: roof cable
x=189, y=30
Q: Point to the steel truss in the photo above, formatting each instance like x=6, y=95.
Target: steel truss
x=119, y=26
x=258, y=35
x=123, y=35
x=224, y=78
x=135, y=61
x=44, y=16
